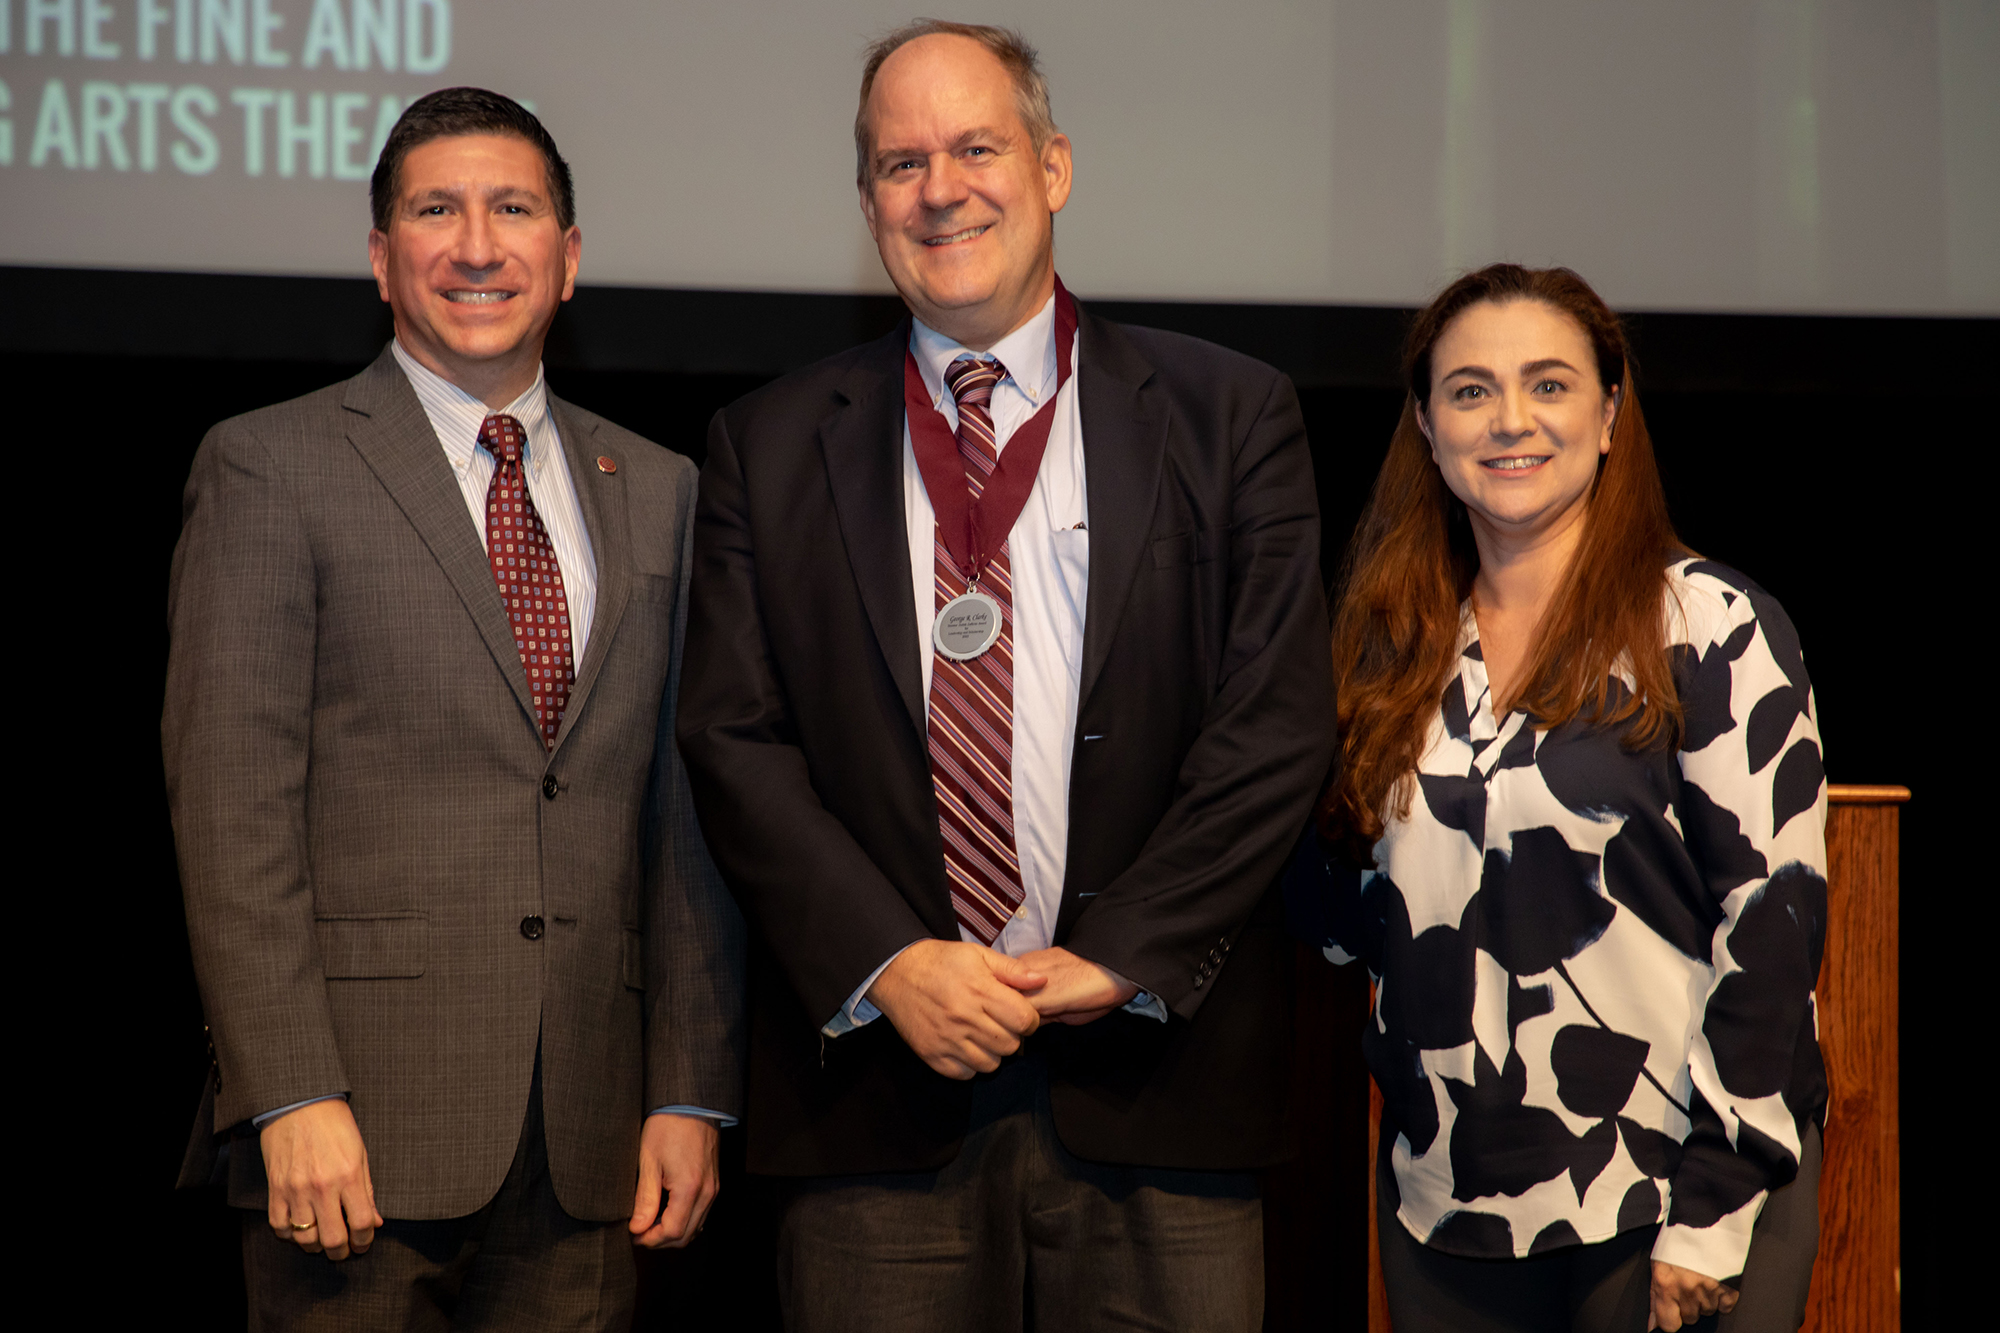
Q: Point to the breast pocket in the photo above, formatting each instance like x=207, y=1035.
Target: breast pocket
x=1189, y=548
x=1072, y=549
x=657, y=589
x=388, y=944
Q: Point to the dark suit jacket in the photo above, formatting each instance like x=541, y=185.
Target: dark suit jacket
x=365, y=813
x=1204, y=732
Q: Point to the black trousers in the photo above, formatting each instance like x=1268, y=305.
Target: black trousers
x=1018, y=1234
x=1598, y=1288
x=519, y=1263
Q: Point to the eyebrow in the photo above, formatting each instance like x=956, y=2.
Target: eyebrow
x=451, y=194
x=1532, y=368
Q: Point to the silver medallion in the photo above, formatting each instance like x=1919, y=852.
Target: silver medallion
x=966, y=626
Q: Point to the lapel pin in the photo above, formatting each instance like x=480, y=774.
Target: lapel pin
x=606, y=463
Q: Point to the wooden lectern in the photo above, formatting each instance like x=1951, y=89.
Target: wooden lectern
x=1857, y=1281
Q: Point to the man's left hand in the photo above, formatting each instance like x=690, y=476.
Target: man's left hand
x=677, y=1159
x=1077, y=991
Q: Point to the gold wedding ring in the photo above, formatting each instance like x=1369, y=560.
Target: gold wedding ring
x=304, y=1226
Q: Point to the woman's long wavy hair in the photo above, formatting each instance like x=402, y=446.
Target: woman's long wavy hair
x=1411, y=564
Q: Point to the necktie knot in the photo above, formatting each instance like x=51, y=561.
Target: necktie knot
x=503, y=437
x=971, y=382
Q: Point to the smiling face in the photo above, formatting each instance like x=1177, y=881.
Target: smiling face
x=1517, y=418
x=475, y=263
x=959, y=201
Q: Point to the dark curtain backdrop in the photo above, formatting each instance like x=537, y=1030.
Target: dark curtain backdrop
x=1826, y=458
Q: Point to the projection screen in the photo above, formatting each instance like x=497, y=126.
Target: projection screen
x=1723, y=155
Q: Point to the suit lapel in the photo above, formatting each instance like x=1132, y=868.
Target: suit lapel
x=862, y=442
x=390, y=431
x=1125, y=419
x=601, y=496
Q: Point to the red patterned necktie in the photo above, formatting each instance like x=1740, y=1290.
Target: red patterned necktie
x=972, y=702
x=531, y=583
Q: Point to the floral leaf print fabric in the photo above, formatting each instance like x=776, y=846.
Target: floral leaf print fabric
x=1595, y=966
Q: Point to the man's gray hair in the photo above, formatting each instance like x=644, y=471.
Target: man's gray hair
x=1031, y=89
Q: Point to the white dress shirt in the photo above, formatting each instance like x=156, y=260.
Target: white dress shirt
x=1048, y=552
x=456, y=417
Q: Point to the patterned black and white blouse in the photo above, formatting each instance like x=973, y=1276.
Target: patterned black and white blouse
x=1595, y=967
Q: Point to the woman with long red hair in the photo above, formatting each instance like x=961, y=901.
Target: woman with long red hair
x=1576, y=832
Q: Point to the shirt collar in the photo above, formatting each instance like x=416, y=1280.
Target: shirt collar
x=1029, y=353
x=456, y=415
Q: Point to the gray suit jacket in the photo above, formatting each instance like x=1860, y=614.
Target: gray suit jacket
x=366, y=817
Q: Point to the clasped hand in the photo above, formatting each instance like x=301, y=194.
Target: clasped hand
x=964, y=1007
x=1680, y=1296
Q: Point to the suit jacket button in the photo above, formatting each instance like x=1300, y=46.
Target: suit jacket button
x=1200, y=977
x=531, y=927
x=550, y=787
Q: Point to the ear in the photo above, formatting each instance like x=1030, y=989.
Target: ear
x=1424, y=425
x=572, y=253
x=867, y=193
x=1057, y=167
x=1610, y=417
x=378, y=260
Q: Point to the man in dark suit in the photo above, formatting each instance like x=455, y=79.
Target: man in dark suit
x=1007, y=693
x=466, y=963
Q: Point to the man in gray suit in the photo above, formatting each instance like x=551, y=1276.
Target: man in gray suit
x=466, y=963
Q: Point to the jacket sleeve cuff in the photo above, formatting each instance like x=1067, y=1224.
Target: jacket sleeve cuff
x=1717, y=1250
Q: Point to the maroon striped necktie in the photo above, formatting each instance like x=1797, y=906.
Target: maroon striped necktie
x=972, y=702
x=530, y=581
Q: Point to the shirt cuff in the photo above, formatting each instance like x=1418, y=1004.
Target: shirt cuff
x=857, y=1012
x=721, y=1120
x=259, y=1121
x=1718, y=1250
x=1147, y=1005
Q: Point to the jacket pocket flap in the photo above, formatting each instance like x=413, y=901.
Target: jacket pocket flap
x=394, y=944
x=633, y=965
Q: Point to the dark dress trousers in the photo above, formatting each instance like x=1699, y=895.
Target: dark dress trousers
x=1204, y=729
x=392, y=889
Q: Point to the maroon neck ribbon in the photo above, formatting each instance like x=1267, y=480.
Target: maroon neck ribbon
x=974, y=531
